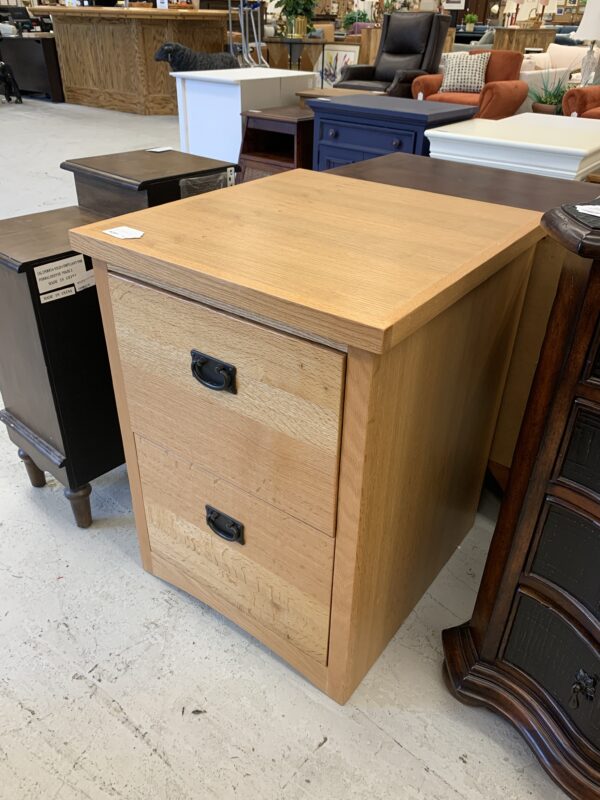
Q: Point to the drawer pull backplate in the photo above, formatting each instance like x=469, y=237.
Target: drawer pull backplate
x=584, y=686
x=212, y=373
x=224, y=526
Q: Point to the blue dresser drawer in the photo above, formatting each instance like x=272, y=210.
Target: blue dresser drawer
x=366, y=137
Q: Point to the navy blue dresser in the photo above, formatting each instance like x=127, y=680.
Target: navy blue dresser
x=362, y=126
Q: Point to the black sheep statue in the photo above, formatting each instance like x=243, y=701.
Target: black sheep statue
x=8, y=83
x=182, y=59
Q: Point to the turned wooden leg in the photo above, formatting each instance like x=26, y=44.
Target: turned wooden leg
x=36, y=475
x=80, y=505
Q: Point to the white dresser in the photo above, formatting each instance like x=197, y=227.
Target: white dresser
x=559, y=147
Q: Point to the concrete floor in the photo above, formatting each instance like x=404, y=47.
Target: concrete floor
x=115, y=685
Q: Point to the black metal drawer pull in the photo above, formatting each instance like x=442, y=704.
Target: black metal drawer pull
x=332, y=133
x=224, y=526
x=584, y=686
x=212, y=373
x=396, y=143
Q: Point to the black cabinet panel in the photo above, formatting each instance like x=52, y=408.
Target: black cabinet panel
x=568, y=554
x=581, y=464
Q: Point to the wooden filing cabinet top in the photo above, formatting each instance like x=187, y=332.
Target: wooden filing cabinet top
x=355, y=263
x=346, y=466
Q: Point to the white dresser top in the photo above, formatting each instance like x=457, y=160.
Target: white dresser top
x=527, y=131
x=239, y=75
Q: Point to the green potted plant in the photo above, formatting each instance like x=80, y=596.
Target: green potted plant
x=547, y=99
x=298, y=15
x=470, y=21
x=354, y=16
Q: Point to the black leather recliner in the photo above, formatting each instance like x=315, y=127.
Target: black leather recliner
x=411, y=45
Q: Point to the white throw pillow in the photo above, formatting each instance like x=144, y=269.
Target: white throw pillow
x=465, y=72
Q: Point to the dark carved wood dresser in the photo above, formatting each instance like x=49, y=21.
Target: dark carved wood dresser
x=531, y=651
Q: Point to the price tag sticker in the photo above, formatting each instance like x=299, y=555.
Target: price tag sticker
x=123, y=232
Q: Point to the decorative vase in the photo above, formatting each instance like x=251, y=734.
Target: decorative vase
x=469, y=27
x=544, y=108
x=297, y=27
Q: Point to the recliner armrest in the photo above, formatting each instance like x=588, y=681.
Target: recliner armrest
x=401, y=78
x=358, y=72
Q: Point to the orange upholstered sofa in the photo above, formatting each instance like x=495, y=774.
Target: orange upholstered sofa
x=501, y=96
x=585, y=102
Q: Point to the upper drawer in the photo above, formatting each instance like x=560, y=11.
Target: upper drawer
x=277, y=437
x=579, y=460
x=568, y=553
x=367, y=137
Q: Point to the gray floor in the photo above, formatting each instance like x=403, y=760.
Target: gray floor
x=115, y=685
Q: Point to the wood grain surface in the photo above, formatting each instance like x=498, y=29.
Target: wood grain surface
x=367, y=285
x=107, y=55
x=281, y=576
x=418, y=423
x=277, y=438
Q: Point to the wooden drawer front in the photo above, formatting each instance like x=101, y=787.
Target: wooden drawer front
x=384, y=140
x=280, y=577
x=277, y=438
x=568, y=554
x=581, y=462
x=554, y=654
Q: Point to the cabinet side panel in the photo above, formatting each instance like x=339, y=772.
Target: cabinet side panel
x=417, y=430
x=100, y=268
x=24, y=380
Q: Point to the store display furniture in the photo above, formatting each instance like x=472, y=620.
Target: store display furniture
x=583, y=102
x=328, y=91
x=54, y=373
x=556, y=146
x=520, y=39
x=501, y=96
x=211, y=103
x=354, y=128
x=505, y=188
x=411, y=44
x=300, y=53
x=34, y=61
x=106, y=55
x=121, y=182
x=275, y=140
x=531, y=651
x=274, y=400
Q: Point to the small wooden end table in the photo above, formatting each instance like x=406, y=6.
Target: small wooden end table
x=275, y=140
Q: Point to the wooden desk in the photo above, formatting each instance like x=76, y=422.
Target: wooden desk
x=107, y=54
x=507, y=189
x=343, y=438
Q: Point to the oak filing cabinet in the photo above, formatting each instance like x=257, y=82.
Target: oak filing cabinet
x=532, y=648
x=307, y=424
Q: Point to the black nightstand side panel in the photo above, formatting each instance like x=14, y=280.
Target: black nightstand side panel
x=79, y=372
x=24, y=380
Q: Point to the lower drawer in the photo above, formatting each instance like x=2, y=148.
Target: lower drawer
x=280, y=577
x=560, y=660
